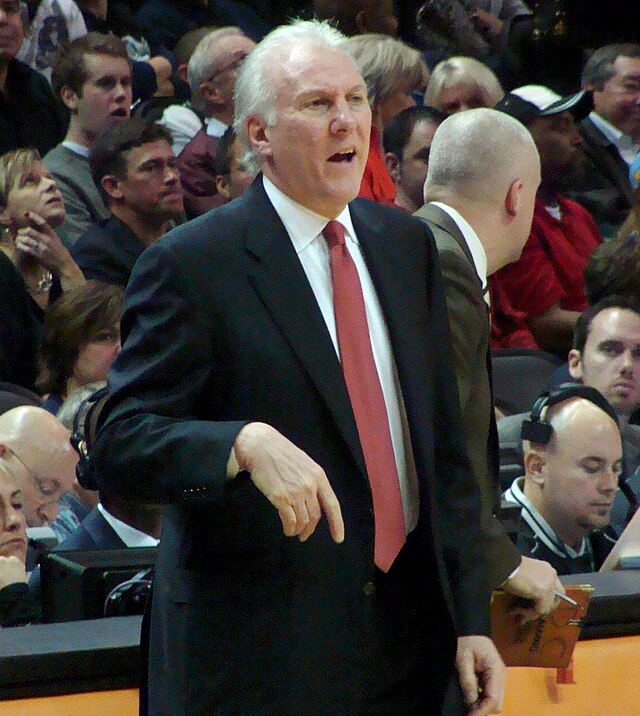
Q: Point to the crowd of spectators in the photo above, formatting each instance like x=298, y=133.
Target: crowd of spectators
x=116, y=124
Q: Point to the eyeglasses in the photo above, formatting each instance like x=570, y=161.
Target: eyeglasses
x=48, y=487
x=235, y=65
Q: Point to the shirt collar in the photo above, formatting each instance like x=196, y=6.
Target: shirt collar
x=131, y=536
x=215, y=128
x=612, y=133
x=77, y=148
x=541, y=528
x=476, y=248
x=302, y=224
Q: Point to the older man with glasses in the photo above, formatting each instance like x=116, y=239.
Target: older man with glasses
x=35, y=450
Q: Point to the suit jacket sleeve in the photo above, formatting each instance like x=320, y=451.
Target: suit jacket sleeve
x=469, y=334
x=156, y=390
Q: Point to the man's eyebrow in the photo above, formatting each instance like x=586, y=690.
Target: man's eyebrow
x=16, y=493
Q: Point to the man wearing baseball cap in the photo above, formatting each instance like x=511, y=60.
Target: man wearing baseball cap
x=546, y=283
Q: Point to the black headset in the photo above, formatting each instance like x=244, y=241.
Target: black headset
x=85, y=424
x=536, y=430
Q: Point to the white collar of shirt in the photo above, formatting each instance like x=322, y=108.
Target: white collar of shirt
x=77, y=148
x=215, y=128
x=538, y=523
x=302, y=224
x=625, y=145
x=478, y=254
x=128, y=534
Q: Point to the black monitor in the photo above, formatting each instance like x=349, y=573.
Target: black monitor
x=76, y=584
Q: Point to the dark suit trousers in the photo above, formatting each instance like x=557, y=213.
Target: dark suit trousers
x=412, y=660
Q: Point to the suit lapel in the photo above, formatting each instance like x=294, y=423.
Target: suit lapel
x=280, y=281
x=605, y=155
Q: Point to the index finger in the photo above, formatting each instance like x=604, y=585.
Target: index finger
x=331, y=508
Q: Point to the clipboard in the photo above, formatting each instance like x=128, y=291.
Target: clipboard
x=545, y=642
x=628, y=545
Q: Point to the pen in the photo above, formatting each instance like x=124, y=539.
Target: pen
x=565, y=598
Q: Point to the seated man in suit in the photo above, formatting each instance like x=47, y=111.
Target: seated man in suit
x=286, y=358
x=546, y=283
x=135, y=167
x=572, y=462
x=610, y=134
x=92, y=76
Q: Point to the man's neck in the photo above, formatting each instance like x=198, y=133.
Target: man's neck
x=4, y=68
x=562, y=530
x=96, y=7
x=77, y=135
x=548, y=192
x=402, y=201
x=146, y=229
x=222, y=114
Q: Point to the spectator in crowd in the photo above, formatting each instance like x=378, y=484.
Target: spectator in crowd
x=479, y=225
x=51, y=23
x=17, y=608
x=29, y=114
x=393, y=71
x=407, y=141
x=135, y=167
x=610, y=134
x=234, y=168
x=546, y=283
x=80, y=340
x=460, y=83
x=632, y=222
x=183, y=120
x=31, y=209
x=572, y=462
x=614, y=269
x=212, y=73
x=35, y=450
x=92, y=76
x=166, y=21
x=358, y=17
x=32, y=260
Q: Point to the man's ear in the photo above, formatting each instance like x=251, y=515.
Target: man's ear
x=210, y=91
x=362, y=22
x=512, y=199
x=222, y=185
x=393, y=166
x=69, y=97
x=182, y=72
x=534, y=464
x=111, y=186
x=3, y=451
x=258, y=134
x=575, y=364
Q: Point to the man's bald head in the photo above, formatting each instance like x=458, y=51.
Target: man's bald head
x=485, y=164
x=35, y=447
x=354, y=17
x=479, y=153
x=572, y=480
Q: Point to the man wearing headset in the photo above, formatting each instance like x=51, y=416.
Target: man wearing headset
x=572, y=461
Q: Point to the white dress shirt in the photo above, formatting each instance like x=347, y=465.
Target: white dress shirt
x=131, y=536
x=305, y=230
x=627, y=148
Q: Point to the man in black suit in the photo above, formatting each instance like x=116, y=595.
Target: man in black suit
x=236, y=394
x=610, y=135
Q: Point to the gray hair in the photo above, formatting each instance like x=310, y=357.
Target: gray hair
x=386, y=63
x=599, y=67
x=466, y=71
x=204, y=60
x=477, y=153
x=67, y=412
x=256, y=90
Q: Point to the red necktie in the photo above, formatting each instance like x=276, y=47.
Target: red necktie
x=367, y=399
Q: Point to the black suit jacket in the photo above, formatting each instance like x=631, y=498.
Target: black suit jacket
x=221, y=328
x=604, y=189
x=470, y=329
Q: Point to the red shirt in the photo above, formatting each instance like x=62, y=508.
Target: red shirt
x=551, y=268
x=377, y=183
